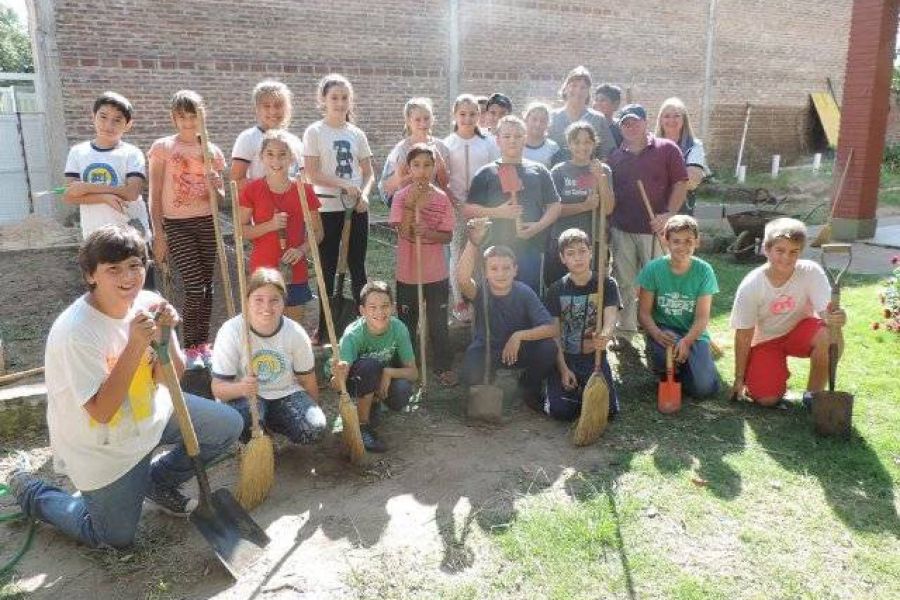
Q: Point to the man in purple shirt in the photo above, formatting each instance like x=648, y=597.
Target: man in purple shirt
x=658, y=163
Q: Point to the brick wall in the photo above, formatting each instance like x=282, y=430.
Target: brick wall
x=771, y=53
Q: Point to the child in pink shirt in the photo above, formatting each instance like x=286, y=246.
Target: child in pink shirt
x=435, y=228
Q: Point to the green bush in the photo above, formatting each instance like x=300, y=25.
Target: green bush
x=891, y=159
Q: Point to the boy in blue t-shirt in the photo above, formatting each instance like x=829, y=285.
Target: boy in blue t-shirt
x=521, y=329
x=572, y=301
x=376, y=359
x=674, y=305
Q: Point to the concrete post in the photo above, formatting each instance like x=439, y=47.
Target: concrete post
x=864, y=111
x=708, y=69
x=453, y=70
x=47, y=83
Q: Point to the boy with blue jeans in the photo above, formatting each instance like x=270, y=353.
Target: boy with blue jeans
x=673, y=308
x=107, y=411
x=376, y=359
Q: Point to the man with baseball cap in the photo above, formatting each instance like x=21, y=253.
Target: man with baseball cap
x=658, y=163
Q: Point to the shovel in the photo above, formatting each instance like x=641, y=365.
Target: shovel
x=511, y=184
x=235, y=538
x=343, y=308
x=486, y=400
x=669, y=391
x=833, y=411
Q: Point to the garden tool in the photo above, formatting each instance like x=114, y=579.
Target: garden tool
x=351, y=433
x=206, y=148
x=824, y=235
x=511, y=184
x=423, y=320
x=235, y=538
x=668, y=395
x=256, y=472
x=833, y=411
x=344, y=309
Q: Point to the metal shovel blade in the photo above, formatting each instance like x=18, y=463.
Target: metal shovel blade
x=485, y=403
x=669, y=396
x=832, y=413
x=235, y=538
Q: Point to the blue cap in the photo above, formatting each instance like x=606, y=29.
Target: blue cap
x=633, y=111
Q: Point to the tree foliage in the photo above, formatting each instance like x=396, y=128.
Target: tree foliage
x=15, y=47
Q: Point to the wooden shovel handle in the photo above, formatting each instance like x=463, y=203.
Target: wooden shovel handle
x=423, y=335
x=670, y=363
x=170, y=378
x=649, y=207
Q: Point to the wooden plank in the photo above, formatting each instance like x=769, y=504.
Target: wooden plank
x=829, y=115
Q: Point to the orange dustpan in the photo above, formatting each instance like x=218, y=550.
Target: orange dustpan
x=669, y=392
x=511, y=183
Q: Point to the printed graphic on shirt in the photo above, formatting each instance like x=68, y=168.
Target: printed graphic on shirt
x=189, y=185
x=343, y=159
x=782, y=304
x=384, y=356
x=675, y=304
x=268, y=365
x=100, y=173
x=578, y=318
x=140, y=392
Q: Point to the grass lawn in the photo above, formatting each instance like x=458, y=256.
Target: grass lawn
x=723, y=500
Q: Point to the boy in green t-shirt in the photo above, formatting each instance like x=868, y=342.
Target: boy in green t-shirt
x=673, y=308
x=376, y=358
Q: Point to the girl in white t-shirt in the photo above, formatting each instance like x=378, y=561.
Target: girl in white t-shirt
x=282, y=373
x=418, y=114
x=469, y=150
x=338, y=162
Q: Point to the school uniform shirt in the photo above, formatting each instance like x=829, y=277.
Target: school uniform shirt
x=109, y=166
x=277, y=358
x=519, y=309
x=82, y=349
x=574, y=183
x=675, y=295
x=576, y=308
x=436, y=214
x=185, y=189
x=340, y=151
x=247, y=149
x=395, y=343
x=538, y=192
x=543, y=154
x=264, y=203
x=481, y=150
x=775, y=311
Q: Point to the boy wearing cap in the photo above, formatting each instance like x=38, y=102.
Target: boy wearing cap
x=658, y=163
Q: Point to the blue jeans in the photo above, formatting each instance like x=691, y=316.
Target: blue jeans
x=109, y=516
x=364, y=377
x=295, y=416
x=698, y=374
x=565, y=405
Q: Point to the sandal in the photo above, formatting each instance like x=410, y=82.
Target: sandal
x=447, y=378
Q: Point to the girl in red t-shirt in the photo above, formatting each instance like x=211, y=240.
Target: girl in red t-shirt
x=271, y=216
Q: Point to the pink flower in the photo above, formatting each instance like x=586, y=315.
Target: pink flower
x=895, y=259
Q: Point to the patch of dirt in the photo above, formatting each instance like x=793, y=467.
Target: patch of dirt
x=36, y=231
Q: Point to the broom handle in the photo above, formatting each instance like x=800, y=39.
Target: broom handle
x=650, y=214
x=422, y=319
x=600, y=262
x=320, y=278
x=840, y=187
x=487, y=330
x=214, y=209
x=252, y=400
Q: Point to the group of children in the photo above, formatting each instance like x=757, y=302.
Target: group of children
x=522, y=265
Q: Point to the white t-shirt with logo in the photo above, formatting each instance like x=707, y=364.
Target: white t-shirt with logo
x=247, y=149
x=775, y=311
x=109, y=166
x=82, y=349
x=276, y=358
x=340, y=151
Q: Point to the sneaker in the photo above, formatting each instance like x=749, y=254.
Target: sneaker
x=371, y=441
x=462, y=312
x=21, y=476
x=193, y=359
x=171, y=500
x=206, y=354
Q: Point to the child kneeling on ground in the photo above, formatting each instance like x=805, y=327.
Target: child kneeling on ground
x=674, y=303
x=106, y=410
x=782, y=309
x=376, y=359
x=572, y=301
x=521, y=329
x=282, y=367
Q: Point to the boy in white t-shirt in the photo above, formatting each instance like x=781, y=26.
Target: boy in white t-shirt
x=782, y=309
x=106, y=410
x=105, y=176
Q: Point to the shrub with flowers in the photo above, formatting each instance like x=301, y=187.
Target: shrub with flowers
x=890, y=300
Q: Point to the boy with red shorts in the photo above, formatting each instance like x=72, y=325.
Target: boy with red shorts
x=782, y=309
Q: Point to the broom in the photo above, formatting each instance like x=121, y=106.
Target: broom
x=256, y=472
x=206, y=149
x=595, y=398
x=423, y=334
x=824, y=235
x=349, y=417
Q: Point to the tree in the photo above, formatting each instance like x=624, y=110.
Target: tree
x=15, y=47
